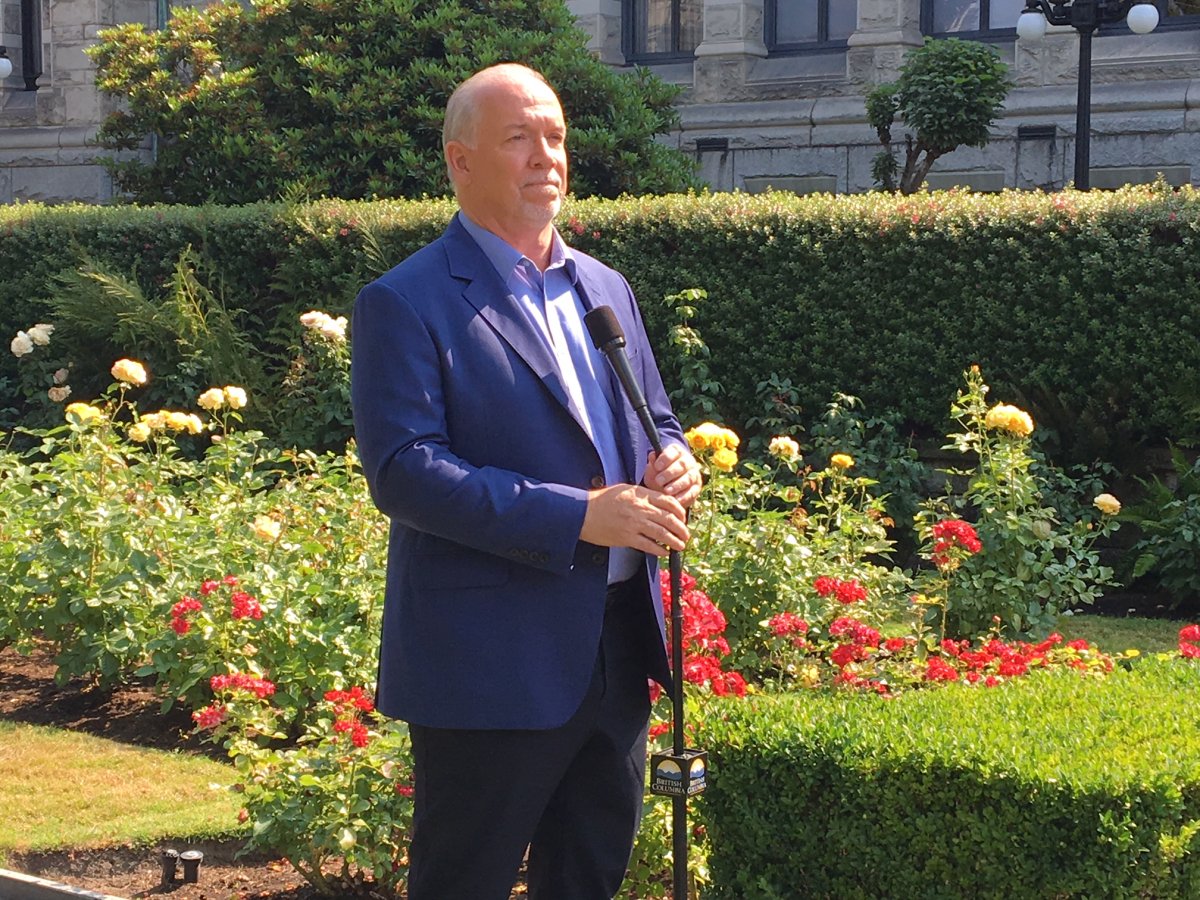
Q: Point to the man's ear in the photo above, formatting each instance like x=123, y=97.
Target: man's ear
x=457, y=160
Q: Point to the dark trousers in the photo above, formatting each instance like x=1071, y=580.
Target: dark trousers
x=572, y=795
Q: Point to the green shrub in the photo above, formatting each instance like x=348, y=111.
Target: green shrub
x=1169, y=520
x=1053, y=786
x=949, y=92
x=106, y=531
x=885, y=298
x=345, y=98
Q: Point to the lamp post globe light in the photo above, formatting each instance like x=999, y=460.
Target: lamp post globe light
x=1085, y=16
x=5, y=63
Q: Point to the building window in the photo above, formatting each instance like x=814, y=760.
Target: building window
x=1179, y=13
x=792, y=25
x=660, y=30
x=956, y=16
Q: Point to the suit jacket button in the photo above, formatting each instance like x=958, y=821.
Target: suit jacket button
x=597, y=481
x=599, y=557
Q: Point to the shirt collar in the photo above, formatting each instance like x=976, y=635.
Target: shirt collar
x=505, y=257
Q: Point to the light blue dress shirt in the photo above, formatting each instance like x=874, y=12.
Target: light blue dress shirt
x=555, y=311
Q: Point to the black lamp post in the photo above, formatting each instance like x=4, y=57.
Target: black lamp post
x=31, y=43
x=1085, y=16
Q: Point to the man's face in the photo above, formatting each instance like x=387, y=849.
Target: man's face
x=515, y=173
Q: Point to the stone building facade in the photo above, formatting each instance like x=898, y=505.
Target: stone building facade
x=773, y=91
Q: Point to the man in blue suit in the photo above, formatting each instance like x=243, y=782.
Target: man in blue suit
x=523, y=615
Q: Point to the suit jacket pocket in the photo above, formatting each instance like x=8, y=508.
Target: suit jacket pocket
x=459, y=568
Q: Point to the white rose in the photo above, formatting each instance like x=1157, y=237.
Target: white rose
x=60, y=393
x=235, y=397
x=61, y=375
x=334, y=329
x=21, y=345
x=211, y=400
x=40, y=333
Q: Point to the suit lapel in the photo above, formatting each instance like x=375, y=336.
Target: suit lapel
x=487, y=292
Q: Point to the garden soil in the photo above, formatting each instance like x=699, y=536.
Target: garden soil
x=130, y=714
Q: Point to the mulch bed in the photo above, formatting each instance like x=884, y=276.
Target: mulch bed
x=130, y=714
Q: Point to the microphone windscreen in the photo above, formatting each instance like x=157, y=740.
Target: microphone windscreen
x=604, y=328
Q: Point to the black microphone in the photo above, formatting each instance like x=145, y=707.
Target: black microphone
x=609, y=339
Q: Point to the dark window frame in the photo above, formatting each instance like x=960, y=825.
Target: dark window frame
x=633, y=57
x=985, y=34
x=1165, y=23
x=778, y=48
x=1169, y=23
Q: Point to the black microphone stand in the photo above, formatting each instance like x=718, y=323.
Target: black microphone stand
x=683, y=772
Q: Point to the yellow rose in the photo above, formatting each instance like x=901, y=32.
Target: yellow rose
x=235, y=397
x=192, y=424
x=841, y=460
x=784, y=448
x=724, y=459
x=809, y=676
x=140, y=432
x=266, y=528
x=705, y=436
x=156, y=421
x=730, y=439
x=129, y=371
x=211, y=400
x=1107, y=504
x=1015, y=421
x=82, y=413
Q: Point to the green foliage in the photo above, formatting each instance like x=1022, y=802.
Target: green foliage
x=694, y=392
x=1052, y=786
x=184, y=332
x=105, y=535
x=1169, y=521
x=949, y=93
x=880, y=452
x=762, y=533
x=284, y=98
x=341, y=795
x=1035, y=564
x=878, y=296
x=313, y=409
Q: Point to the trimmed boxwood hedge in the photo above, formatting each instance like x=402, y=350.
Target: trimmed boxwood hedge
x=1053, y=786
x=1089, y=298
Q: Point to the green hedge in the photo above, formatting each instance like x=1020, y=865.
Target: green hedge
x=1054, y=786
x=1087, y=301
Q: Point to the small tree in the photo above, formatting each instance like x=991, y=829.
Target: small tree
x=345, y=98
x=949, y=92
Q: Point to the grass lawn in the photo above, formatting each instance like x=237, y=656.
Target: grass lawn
x=62, y=789
x=1114, y=635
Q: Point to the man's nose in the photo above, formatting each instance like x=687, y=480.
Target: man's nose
x=543, y=154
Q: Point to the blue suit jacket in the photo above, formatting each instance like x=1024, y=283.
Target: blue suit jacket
x=470, y=446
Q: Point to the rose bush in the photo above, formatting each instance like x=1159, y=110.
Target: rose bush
x=245, y=580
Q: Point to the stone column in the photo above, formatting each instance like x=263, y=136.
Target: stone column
x=887, y=30
x=733, y=41
x=601, y=21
